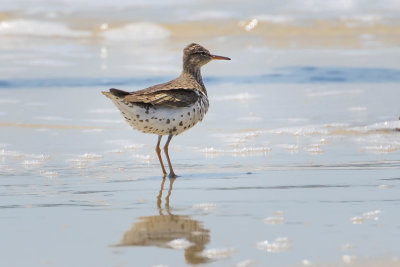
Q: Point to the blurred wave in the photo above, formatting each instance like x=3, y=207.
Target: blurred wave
x=292, y=74
x=316, y=23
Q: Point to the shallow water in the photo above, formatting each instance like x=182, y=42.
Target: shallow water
x=296, y=163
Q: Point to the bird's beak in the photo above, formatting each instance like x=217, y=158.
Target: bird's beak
x=219, y=57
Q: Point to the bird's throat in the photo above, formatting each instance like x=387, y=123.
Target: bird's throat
x=196, y=74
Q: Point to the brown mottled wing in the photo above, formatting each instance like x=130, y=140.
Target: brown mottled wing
x=171, y=98
x=180, y=83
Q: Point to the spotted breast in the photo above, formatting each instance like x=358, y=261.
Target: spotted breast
x=162, y=119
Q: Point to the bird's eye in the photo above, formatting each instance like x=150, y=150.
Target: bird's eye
x=203, y=53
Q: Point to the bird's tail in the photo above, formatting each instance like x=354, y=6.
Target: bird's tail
x=115, y=93
x=107, y=94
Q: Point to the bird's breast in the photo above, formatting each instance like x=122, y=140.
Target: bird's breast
x=163, y=120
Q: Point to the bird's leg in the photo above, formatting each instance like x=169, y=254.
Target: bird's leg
x=158, y=151
x=171, y=170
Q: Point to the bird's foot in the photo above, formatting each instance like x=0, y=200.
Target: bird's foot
x=172, y=175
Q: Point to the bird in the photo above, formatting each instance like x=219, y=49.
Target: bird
x=169, y=108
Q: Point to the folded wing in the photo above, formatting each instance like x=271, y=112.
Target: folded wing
x=177, y=97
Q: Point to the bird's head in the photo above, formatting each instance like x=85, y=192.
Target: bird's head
x=194, y=55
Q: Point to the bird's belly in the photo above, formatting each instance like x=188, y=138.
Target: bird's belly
x=163, y=120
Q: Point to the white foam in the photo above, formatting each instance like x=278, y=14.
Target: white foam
x=314, y=149
x=90, y=156
x=6, y=168
x=357, y=220
x=385, y=186
x=205, y=206
x=370, y=215
x=280, y=244
x=382, y=149
x=290, y=147
x=140, y=32
x=348, y=259
x=31, y=163
x=302, y=130
x=380, y=126
x=274, y=220
x=237, y=151
x=144, y=158
x=248, y=26
x=82, y=161
x=23, y=27
x=218, y=253
x=11, y=153
x=79, y=163
x=179, y=243
x=41, y=157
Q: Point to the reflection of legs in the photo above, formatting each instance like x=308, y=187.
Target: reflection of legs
x=171, y=184
x=171, y=170
x=160, y=196
x=158, y=151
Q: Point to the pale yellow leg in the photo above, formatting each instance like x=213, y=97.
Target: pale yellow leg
x=158, y=151
x=171, y=170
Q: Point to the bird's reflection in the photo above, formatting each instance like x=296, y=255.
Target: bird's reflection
x=160, y=229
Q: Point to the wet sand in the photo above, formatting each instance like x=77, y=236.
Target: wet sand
x=276, y=185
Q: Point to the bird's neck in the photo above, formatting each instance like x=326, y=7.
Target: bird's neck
x=195, y=73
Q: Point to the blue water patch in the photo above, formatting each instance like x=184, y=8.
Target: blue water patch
x=311, y=74
x=291, y=74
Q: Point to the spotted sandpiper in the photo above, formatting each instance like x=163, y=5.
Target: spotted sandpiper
x=169, y=108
